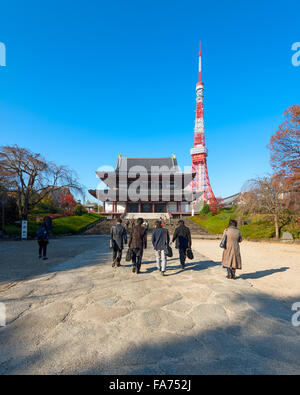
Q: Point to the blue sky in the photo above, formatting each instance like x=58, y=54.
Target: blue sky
x=87, y=80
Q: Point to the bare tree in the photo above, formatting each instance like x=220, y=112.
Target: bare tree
x=32, y=178
x=266, y=195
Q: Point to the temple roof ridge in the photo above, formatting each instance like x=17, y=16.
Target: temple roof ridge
x=125, y=163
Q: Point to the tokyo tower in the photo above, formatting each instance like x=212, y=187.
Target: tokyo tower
x=199, y=151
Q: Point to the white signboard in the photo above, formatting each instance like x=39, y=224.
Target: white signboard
x=197, y=206
x=24, y=230
x=2, y=314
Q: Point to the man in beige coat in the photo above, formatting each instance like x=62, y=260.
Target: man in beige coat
x=231, y=259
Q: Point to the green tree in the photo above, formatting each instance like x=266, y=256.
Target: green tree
x=205, y=210
x=79, y=210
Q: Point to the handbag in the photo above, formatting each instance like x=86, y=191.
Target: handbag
x=224, y=241
x=129, y=255
x=167, y=249
x=189, y=253
x=112, y=242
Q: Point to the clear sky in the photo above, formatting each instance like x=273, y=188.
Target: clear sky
x=87, y=80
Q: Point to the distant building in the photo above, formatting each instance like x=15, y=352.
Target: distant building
x=91, y=208
x=149, y=186
x=232, y=200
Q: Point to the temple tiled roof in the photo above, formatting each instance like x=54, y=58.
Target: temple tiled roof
x=125, y=163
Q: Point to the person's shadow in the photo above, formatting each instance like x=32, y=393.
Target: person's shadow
x=262, y=273
x=191, y=265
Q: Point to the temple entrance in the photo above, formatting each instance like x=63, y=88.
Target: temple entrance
x=146, y=207
x=160, y=208
x=132, y=208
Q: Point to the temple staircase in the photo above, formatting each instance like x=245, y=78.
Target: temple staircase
x=103, y=227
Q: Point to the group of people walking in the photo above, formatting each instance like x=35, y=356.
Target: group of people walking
x=138, y=242
x=231, y=259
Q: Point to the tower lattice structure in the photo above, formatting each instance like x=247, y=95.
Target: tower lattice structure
x=201, y=181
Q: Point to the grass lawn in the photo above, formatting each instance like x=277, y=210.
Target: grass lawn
x=215, y=223
x=260, y=226
x=74, y=224
x=63, y=225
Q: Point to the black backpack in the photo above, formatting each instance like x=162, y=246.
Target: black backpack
x=42, y=233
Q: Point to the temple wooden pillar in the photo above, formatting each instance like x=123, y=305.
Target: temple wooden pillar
x=179, y=209
x=140, y=207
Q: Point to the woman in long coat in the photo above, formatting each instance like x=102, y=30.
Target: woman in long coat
x=231, y=259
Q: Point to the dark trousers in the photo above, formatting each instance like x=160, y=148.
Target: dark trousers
x=43, y=247
x=231, y=272
x=137, y=255
x=117, y=254
x=182, y=255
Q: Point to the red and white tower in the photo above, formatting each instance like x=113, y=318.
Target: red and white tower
x=199, y=152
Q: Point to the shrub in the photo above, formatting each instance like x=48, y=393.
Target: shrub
x=79, y=210
x=205, y=210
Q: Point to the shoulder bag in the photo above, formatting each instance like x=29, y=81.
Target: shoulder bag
x=224, y=241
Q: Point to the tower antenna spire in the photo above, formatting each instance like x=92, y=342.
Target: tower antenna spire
x=201, y=181
x=200, y=65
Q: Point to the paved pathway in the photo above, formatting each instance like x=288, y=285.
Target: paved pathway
x=82, y=316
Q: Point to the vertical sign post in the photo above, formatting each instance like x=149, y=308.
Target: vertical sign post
x=24, y=230
x=2, y=314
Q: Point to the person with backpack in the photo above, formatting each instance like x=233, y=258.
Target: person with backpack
x=137, y=243
x=42, y=238
x=182, y=236
x=160, y=238
x=118, y=237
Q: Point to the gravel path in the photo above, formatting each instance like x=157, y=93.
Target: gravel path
x=76, y=314
x=273, y=268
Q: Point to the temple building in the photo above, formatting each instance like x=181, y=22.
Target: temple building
x=148, y=187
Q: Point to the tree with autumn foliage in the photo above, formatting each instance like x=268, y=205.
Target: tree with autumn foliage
x=68, y=202
x=278, y=194
x=285, y=143
x=285, y=154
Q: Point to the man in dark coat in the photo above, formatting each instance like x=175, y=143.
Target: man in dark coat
x=160, y=237
x=137, y=243
x=118, y=237
x=182, y=235
x=42, y=237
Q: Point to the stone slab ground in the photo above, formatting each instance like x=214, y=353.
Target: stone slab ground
x=75, y=314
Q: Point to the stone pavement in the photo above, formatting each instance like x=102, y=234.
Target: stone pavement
x=81, y=316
